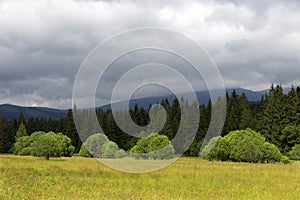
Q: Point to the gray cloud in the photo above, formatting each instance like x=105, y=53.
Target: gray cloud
x=43, y=43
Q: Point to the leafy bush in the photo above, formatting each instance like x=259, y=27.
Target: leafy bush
x=84, y=152
x=65, y=145
x=120, y=154
x=141, y=148
x=220, y=151
x=109, y=149
x=211, y=144
x=23, y=146
x=44, y=145
x=94, y=144
x=285, y=160
x=99, y=146
x=47, y=145
x=156, y=147
x=160, y=147
x=271, y=153
x=242, y=146
x=294, y=154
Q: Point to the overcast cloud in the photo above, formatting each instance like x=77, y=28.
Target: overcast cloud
x=43, y=43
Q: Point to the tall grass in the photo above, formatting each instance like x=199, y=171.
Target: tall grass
x=187, y=178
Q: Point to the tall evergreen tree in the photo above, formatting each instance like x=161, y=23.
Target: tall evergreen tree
x=232, y=115
x=293, y=107
x=21, y=131
x=246, y=115
x=274, y=117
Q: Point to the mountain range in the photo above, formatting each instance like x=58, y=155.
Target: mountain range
x=13, y=111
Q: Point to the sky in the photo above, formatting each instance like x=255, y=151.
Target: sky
x=43, y=43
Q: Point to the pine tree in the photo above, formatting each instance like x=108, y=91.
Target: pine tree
x=4, y=136
x=232, y=115
x=21, y=131
x=293, y=107
x=274, y=117
x=246, y=115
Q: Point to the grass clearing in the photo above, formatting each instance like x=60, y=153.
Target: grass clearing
x=187, y=178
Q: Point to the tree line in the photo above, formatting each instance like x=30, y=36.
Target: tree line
x=276, y=117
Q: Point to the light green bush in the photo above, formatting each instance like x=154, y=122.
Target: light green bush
x=294, y=154
x=243, y=146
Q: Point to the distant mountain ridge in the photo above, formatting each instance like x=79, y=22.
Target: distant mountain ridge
x=13, y=111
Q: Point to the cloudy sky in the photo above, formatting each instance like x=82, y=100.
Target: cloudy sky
x=43, y=43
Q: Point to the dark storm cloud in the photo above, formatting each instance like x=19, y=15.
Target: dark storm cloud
x=43, y=43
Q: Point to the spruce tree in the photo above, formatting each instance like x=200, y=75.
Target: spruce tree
x=293, y=107
x=274, y=117
x=232, y=115
x=246, y=115
x=21, y=131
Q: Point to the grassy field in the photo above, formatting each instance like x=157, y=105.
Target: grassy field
x=187, y=178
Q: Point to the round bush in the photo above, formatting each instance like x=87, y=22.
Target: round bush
x=285, y=160
x=120, y=154
x=271, y=153
x=156, y=147
x=244, y=146
x=207, y=149
x=109, y=149
x=94, y=144
x=84, y=152
x=294, y=154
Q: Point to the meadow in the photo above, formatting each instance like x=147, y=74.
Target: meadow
x=187, y=178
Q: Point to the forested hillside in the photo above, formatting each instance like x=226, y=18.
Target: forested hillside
x=276, y=117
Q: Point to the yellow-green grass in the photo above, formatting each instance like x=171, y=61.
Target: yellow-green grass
x=187, y=178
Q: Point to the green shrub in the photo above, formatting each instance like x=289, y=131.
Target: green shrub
x=21, y=144
x=47, y=145
x=294, y=154
x=155, y=147
x=84, y=152
x=141, y=149
x=99, y=146
x=271, y=153
x=44, y=145
x=160, y=147
x=120, y=154
x=109, y=149
x=220, y=151
x=207, y=149
x=285, y=160
x=94, y=144
x=243, y=146
x=65, y=145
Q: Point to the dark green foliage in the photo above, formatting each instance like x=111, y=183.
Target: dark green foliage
x=276, y=117
x=242, y=146
x=290, y=137
x=294, y=154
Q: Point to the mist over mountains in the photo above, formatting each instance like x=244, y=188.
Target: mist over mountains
x=13, y=111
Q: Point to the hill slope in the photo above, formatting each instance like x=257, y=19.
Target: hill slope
x=10, y=111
